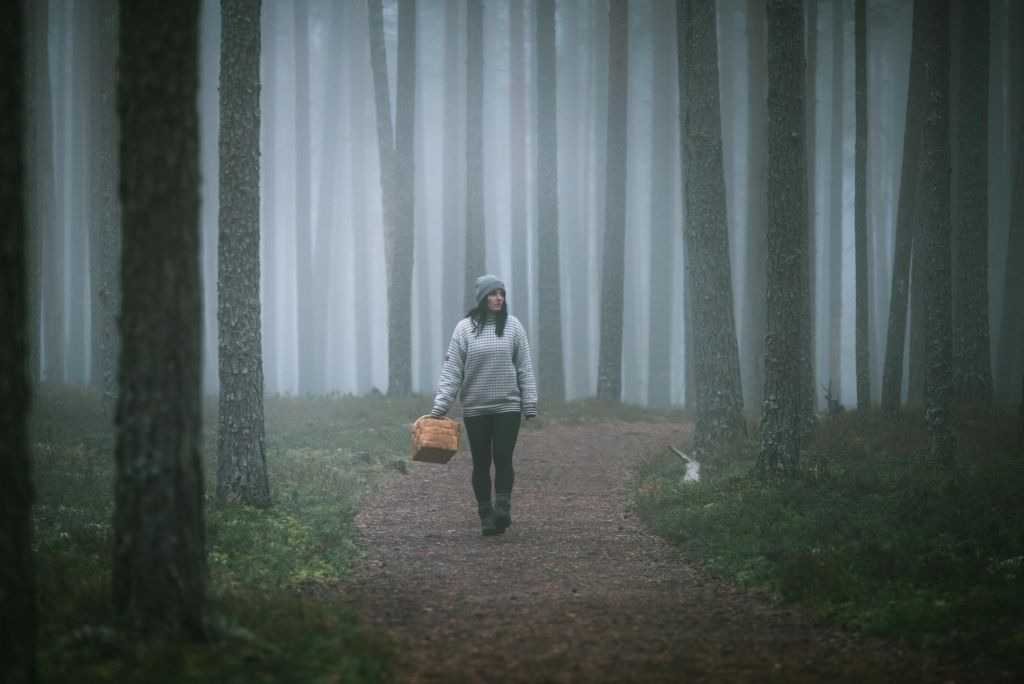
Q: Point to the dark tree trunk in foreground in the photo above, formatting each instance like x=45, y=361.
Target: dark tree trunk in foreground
x=551, y=373
x=663, y=227
x=241, y=461
x=159, y=569
x=936, y=234
x=476, y=253
x=18, y=615
x=395, y=147
x=1010, y=357
x=609, y=367
x=719, y=395
x=972, y=371
x=860, y=207
x=910, y=174
x=786, y=394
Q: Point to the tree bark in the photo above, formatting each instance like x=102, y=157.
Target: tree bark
x=719, y=394
x=310, y=375
x=936, y=235
x=518, y=208
x=834, y=224
x=551, y=373
x=910, y=175
x=159, y=568
x=18, y=613
x=476, y=253
x=860, y=207
x=609, y=372
x=241, y=458
x=1010, y=357
x=787, y=394
x=972, y=370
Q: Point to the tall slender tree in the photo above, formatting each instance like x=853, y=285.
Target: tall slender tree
x=522, y=282
x=708, y=270
x=609, y=371
x=241, y=459
x=936, y=234
x=664, y=163
x=310, y=376
x=832, y=235
x=860, y=206
x=18, y=613
x=269, y=95
x=476, y=253
x=786, y=394
x=551, y=373
x=159, y=568
x=395, y=148
x=910, y=174
x=972, y=371
x=752, y=341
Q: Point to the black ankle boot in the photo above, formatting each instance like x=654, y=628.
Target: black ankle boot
x=487, y=525
x=502, y=511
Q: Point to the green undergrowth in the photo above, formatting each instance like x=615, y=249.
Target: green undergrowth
x=273, y=573
x=871, y=533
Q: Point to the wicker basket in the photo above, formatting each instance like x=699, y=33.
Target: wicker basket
x=434, y=440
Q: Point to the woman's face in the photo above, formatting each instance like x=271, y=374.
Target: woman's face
x=495, y=300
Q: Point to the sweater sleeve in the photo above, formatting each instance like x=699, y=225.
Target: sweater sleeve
x=450, y=382
x=524, y=373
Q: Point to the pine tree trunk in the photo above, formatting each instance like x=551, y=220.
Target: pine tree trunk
x=78, y=179
x=18, y=613
x=453, y=258
x=936, y=237
x=910, y=175
x=270, y=54
x=719, y=395
x=787, y=393
x=860, y=208
x=241, y=459
x=400, y=277
x=518, y=208
x=662, y=201
x=476, y=255
x=752, y=351
x=834, y=225
x=310, y=379
x=159, y=568
x=358, y=68
x=52, y=213
x=1010, y=357
x=609, y=369
x=551, y=373
x=972, y=371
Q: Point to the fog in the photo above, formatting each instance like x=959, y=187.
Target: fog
x=322, y=222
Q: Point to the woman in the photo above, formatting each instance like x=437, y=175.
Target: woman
x=488, y=367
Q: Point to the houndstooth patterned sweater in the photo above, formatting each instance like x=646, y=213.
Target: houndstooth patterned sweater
x=494, y=374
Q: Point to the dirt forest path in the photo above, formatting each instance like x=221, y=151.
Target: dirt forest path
x=578, y=590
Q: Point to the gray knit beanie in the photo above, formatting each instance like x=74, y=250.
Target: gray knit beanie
x=487, y=284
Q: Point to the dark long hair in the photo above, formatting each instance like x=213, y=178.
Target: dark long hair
x=478, y=316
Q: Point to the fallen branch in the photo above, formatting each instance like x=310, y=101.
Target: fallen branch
x=692, y=466
x=680, y=454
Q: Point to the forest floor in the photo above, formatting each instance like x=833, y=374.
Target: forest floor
x=577, y=589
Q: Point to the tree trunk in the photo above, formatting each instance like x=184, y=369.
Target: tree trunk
x=358, y=123
x=159, y=568
x=551, y=374
x=453, y=259
x=54, y=272
x=241, y=459
x=1010, y=358
x=910, y=174
x=860, y=208
x=834, y=224
x=310, y=377
x=972, y=371
x=811, y=20
x=752, y=351
x=78, y=177
x=476, y=254
x=518, y=208
x=936, y=237
x=609, y=370
x=269, y=94
x=18, y=614
x=719, y=394
x=787, y=394
x=662, y=200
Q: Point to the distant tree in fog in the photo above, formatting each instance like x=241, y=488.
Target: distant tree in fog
x=395, y=148
x=241, y=459
x=972, y=371
x=786, y=409
x=832, y=235
x=18, y=613
x=476, y=251
x=892, y=379
x=609, y=371
x=936, y=234
x=159, y=566
x=310, y=373
x=708, y=270
x=551, y=373
x=518, y=146
x=860, y=203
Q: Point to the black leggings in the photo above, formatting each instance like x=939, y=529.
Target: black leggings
x=492, y=437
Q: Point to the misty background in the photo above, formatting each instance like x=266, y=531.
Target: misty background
x=320, y=172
